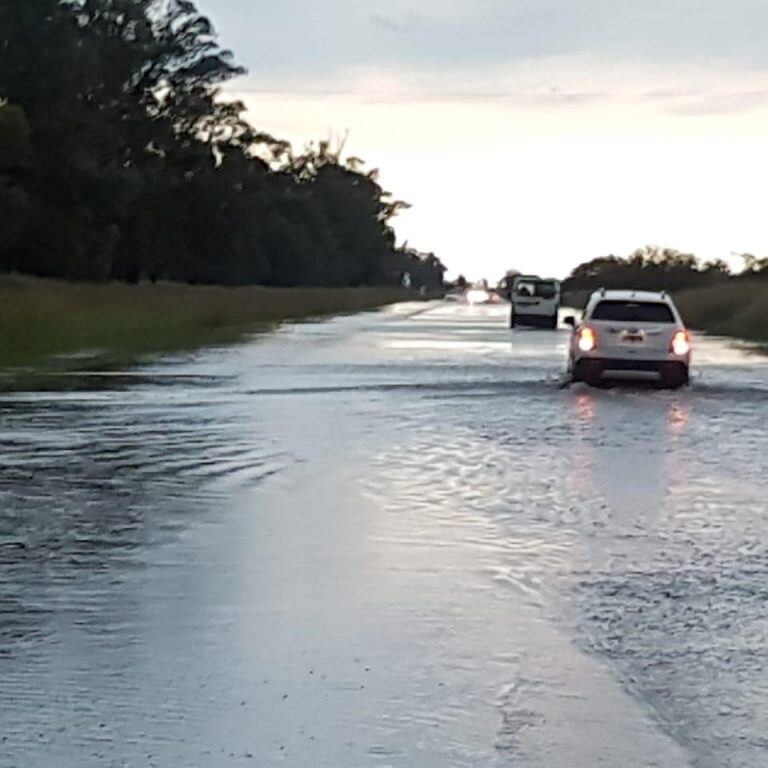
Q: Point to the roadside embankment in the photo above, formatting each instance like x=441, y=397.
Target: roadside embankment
x=45, y=321
x=738, y=308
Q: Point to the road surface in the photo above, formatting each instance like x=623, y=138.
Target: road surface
x=389, y=539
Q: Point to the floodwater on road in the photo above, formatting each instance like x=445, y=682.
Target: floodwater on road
x=388, y=539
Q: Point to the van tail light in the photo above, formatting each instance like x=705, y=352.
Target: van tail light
x=681, y=343
x=587, y=339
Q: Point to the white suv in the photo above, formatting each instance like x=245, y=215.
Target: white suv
x=634, y=332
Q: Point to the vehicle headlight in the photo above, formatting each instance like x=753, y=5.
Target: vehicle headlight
x=477, y=296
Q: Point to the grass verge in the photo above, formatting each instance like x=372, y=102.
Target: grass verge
x=737, y=308
x=51, y=324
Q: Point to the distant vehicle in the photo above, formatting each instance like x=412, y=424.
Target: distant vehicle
x=535, y=301
x=478, y=295
x=630, y=332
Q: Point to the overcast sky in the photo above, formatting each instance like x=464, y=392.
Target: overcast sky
x=528, y=133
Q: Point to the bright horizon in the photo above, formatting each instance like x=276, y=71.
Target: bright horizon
x=538, y=150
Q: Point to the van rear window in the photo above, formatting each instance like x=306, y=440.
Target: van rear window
x=540, y=290
x=634, y=312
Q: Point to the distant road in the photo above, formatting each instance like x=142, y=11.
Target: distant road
x=387, y=539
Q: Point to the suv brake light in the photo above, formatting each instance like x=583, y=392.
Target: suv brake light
x=587, y=339
x=681, y=343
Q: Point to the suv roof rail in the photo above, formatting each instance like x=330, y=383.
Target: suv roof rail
x=602, y=291
x=663, y=294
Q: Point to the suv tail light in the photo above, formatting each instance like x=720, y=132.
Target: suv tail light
x=587, y=339
x=681, y=343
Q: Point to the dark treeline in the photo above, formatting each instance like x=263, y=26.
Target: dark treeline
x=655, y=269
x=119, y=159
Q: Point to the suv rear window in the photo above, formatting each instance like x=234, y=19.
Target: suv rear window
x=634, y=312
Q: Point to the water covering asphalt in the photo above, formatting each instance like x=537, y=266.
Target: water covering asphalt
x=388, y=539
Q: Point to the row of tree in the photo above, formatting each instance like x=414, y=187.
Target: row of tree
x=655, y=269
x=120, y=159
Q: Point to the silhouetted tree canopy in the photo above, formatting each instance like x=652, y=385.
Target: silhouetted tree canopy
x=121, y=159
x=653, y=268
x=14, y=156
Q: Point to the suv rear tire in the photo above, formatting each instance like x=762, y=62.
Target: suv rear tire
x=674, y=375
x=588, y=371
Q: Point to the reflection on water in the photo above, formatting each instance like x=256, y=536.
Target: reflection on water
x=584, y=403
x=625, y=443
x=678, y=416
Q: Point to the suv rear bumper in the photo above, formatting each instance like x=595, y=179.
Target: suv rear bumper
x=593, y=369
x=616, y=364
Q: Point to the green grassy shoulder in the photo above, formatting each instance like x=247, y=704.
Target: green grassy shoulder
x=54, y=324
x=737, y=308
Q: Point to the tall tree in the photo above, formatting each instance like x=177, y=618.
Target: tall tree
x=135, y=164
x=14, y=160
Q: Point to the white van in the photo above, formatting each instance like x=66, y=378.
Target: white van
x=535, y=301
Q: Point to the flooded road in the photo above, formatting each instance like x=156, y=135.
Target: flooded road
x=390, y=539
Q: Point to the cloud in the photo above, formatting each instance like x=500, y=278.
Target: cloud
x=397, y=23
x=720, y=103
x=674, y=57
x=304, y=38
x=571, y=84
x=387, y=22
